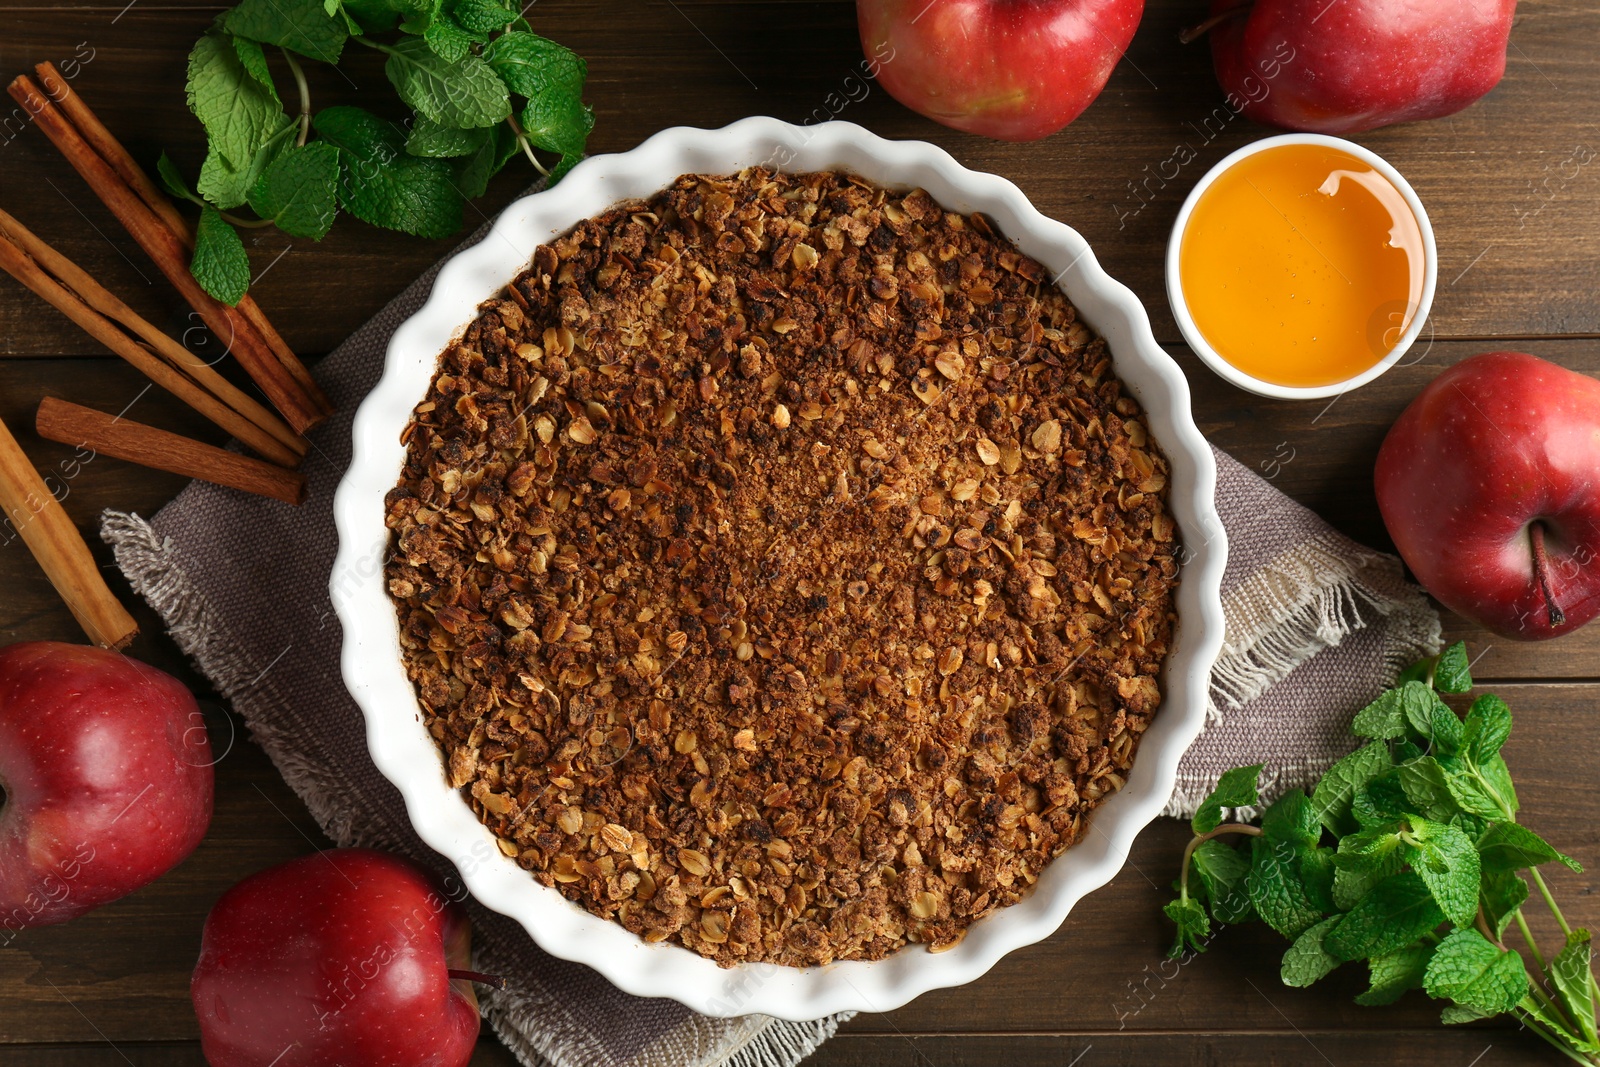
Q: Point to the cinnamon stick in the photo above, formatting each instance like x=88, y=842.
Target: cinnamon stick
x=110, y=149
x=69, y=289
x=34, y=512
x=147, y=446
x=280, y=348
x=168, y=253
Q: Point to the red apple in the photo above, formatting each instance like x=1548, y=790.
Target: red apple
x=105, y=779
x=1017, y=70
x=338, y=959
x=1489, y=484
x=1343, y=66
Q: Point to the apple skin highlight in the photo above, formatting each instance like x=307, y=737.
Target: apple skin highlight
x=344, y=958
x=1014, y=70
x=1356, y=65
x=1500, y=453
x=106, y=771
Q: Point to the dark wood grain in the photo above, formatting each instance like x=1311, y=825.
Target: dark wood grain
x=1319, y=453
x=1519, y=239
x=1495, y=178
x=1410, y=1048
x=1105, y=969
x=490, y=1053
x=121, y=973
x=1201, y=1048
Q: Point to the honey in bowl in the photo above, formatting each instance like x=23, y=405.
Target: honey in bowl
x=1301, y=265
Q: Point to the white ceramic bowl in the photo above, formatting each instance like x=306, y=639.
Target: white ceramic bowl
x=1249, y=382
x=405, y=753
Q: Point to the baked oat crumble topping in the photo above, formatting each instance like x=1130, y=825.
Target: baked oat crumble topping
x=782, y=569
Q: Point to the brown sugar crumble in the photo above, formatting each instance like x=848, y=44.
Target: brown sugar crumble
x=782, y=569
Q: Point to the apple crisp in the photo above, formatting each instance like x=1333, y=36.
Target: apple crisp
x=782, y=569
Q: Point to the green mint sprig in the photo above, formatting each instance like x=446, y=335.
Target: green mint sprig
x=1406, y=855
x=481, y=85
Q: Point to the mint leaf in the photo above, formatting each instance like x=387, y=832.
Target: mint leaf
x=1338, y=788
x=437, y=141
x=371, y=15
x=380, y=184
x=560, y=170
x=302, y=26
x=1448, y=863
x=1369, y=849
x=448, y=39
x=1508, y=846
x=1398, y=911
x=1475, y=974
x=1317, y=874
x=1569, y=971
x=254, y=62
x=1393, y=973
x=558, y=122
x=1502, y=892
x=1193, y=926
x=237, y=112
x=1362, y=861
x=299, y=190
x=1225, y=873
x=1292, y=820
x=1456, y=1015
x=1417, y=700
x=418, y=13
x=219, y=263
x=481, y=16
x=222, y=184
x=1453, y=674
x=1381, y=802
x=1496, y=779
x=1539, y=1008
x=531, y=65
x=172, y=178
x=1487, y=728
x=1383, y=719
x=1417, y=672
x=1306, y=961
x=1276, y=890
x=1471, y=794
x=444, y=36
x=1350, y=886
x=472, y=173
x=227, y=186
x=1424, y=782
x=1474, y=826
x=1235, y=789
x=1431, y=718
x=464, y=93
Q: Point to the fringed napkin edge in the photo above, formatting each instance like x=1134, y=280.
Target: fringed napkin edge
x=1302, y=603
x=525, y=1026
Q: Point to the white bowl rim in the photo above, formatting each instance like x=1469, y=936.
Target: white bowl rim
x=405, y=753
x=1213, y=359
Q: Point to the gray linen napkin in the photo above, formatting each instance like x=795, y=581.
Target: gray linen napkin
x=242, y=585
x=1317, y=625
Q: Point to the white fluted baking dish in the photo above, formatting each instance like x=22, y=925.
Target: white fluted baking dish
x=403, y=750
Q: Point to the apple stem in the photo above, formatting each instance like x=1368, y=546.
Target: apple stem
x=1194, y=33
x=493, y=981
x=1541, y=574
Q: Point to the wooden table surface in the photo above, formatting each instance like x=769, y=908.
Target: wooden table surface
x=1511, y=184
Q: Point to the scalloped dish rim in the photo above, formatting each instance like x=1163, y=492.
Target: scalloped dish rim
x=405, y=752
